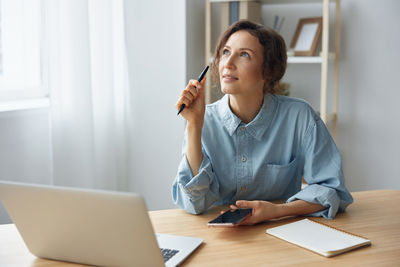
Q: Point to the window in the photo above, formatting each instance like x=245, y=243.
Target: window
x=20, y=50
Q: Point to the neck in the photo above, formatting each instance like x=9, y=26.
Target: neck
x=246, y=108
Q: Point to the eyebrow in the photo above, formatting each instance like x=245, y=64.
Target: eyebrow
x=244, y=48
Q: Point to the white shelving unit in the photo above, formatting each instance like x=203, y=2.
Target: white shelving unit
x=251, y=9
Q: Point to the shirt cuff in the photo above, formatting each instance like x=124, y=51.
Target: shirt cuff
x=195, y=186
x=322, y=195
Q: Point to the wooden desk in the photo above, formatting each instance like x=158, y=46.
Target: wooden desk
x=374, y=215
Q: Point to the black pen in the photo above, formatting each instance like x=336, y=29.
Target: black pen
x=202, y=74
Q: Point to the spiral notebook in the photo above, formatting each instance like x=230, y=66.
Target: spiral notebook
x=317, y=237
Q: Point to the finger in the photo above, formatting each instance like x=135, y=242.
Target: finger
x=192, y=91
x=233, y=207
x=185, y=101
x=223, y=211
x=191, y=87
x=179, y=103
x=203, y=81
x=186, y=93
x=245, y=204
x=194, y=83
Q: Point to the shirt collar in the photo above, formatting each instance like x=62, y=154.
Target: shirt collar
x=229, y=120
x=257, y=126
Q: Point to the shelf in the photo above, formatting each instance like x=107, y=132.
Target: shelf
x=304, y=60
x=292, y=1
x=315, y=59
x=274, y=1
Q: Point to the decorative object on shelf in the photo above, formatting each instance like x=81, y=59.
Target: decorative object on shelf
x=307, y=36
x=282, y=88
x=278, y=22
x=290, y=52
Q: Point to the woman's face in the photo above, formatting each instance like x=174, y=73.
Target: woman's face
x=240, y=65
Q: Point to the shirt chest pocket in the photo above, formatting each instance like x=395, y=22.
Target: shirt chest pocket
x=277, y=178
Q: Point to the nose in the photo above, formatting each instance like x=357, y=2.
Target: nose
x=230, y=62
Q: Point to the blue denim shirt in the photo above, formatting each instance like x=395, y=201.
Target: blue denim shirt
x=264, y=159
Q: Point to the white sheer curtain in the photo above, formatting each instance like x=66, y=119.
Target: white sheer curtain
x=85, y=67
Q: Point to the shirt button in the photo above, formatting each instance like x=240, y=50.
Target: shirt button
x=242, y=128
x=244, y=159
x=243, y=188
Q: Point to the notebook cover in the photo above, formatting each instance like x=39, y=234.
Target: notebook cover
x=317, y=237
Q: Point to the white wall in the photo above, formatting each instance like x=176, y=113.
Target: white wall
x=24, y=148
x=369, y=128
x=156, y=38
x=195, y=32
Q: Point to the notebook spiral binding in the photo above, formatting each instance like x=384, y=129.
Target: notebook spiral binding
x=337, y=229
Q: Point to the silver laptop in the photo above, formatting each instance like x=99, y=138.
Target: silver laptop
x=90, y=226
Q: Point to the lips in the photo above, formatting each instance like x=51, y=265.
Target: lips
x=229, y=78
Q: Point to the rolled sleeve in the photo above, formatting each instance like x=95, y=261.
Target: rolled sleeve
x=195, y=193
x=195, y=186
x=323, y=173
x=322, y=195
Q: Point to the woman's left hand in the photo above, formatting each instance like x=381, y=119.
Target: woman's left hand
x=262, y=211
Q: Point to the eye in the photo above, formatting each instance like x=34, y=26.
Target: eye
x=225, y=52
x=244, y=54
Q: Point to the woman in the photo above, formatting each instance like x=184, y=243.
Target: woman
x=253, y=146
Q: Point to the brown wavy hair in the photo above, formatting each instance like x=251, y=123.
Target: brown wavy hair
x=274, y=56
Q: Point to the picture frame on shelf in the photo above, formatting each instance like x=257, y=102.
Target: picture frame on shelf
x=307, y=36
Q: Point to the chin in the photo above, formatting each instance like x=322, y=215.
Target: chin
x=227, y=90
x=224, y=91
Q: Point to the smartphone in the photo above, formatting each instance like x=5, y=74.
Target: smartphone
x=230, y=217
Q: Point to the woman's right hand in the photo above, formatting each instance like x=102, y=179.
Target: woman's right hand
x=194, y=101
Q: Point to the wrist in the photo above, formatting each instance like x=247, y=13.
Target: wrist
x=283, y=210
x=299, y=207
x=194, y=126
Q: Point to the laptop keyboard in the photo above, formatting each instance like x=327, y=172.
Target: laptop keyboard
x=168, y=253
